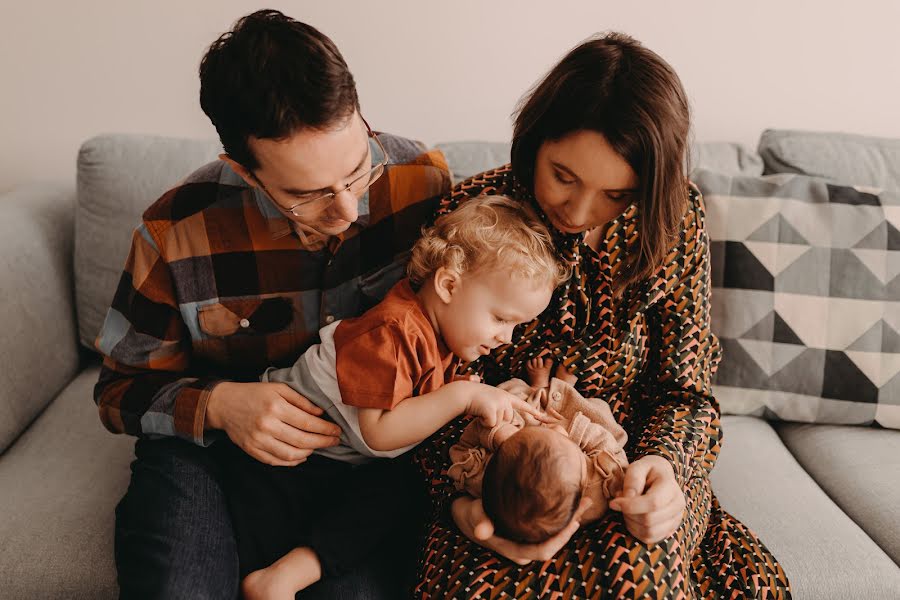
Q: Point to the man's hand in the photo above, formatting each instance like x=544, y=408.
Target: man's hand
x=468, y=513
x=651, y=501
x=495, y=406
x=270, y=421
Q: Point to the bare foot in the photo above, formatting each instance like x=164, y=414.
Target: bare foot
x=298, y=569
x=539, y=371
x=566, y=375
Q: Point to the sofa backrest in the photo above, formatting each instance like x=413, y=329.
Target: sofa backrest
x=38, y=352
x=842, y=158
x=119, y=176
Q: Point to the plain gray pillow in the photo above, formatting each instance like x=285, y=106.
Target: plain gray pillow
x=843, y=158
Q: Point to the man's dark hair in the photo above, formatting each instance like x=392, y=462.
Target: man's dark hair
x=271, y=76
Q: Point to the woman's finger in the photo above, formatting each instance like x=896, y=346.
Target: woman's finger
x=635, y=478
x=482, y=526
x=653, y=534
x=664, y=515
x=653, y=500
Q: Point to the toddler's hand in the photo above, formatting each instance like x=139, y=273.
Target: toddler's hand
x=495, y=406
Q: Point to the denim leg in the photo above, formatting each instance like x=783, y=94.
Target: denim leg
x=388, y=572
x=174, y=537
x=173, y=534
x=373, y=580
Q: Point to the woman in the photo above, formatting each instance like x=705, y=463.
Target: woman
x=599, y=148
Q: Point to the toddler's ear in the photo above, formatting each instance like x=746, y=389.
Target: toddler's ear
x=446, y=283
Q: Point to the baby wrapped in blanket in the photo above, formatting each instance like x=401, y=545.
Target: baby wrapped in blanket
x=532, y=476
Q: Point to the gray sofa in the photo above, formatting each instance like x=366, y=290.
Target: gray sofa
x=824, y=498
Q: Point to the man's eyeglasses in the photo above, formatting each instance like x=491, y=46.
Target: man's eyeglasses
x=356, y=186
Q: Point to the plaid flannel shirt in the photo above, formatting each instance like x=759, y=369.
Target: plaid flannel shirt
x=218, y=287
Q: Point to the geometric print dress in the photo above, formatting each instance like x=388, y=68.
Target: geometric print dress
x=650, y=354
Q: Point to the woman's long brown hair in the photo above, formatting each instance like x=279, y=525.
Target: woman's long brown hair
x=613, y=85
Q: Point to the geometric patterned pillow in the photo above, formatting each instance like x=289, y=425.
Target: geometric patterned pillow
x=806, y=298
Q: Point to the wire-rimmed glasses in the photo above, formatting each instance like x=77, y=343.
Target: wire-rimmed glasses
x=356, y=186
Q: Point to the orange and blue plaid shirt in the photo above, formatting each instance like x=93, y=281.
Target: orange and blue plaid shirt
x=218, y=287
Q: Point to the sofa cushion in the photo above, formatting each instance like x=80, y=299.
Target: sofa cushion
x=119, y=176
x=824, y=553
x=840, y=157
x=806, y=298
x=61, y=481
x=859, y=468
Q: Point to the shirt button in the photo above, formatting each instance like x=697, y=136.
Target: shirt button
x=245, y=323
x=329, y=319
x=557, y=395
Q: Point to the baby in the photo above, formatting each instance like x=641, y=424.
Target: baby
x=387, y=377
x=531, y=473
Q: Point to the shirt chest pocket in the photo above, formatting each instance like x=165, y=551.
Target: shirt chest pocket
x=246, y=317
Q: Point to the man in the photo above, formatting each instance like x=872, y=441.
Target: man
x=305, y=219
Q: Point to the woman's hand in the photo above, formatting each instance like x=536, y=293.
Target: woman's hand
x=468, y=513
x=651, y=502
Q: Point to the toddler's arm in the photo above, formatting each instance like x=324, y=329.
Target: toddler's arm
x=416, y=418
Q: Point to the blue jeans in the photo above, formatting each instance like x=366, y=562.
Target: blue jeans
x=174, y=538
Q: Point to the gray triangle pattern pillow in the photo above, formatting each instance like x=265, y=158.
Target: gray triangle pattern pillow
x=806, y=298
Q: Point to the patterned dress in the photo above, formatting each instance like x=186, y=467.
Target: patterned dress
x=651, y=355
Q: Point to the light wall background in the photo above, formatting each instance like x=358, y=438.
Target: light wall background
x=441, y=71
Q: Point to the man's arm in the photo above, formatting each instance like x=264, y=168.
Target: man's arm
x=143, y=388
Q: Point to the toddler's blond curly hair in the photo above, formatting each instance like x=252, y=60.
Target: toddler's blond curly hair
x=488, y=232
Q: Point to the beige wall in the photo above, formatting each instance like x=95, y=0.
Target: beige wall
x=441, y=71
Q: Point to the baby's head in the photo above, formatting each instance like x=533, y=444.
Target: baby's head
x=483, y=269
x=533, y=484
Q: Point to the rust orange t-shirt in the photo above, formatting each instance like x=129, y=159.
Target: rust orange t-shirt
x=390, y=353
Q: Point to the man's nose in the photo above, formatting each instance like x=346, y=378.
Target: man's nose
x=345, y=206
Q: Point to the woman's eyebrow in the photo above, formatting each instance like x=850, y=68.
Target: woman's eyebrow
x=563, y=167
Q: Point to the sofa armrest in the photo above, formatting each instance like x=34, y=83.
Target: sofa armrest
x=38, y=347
